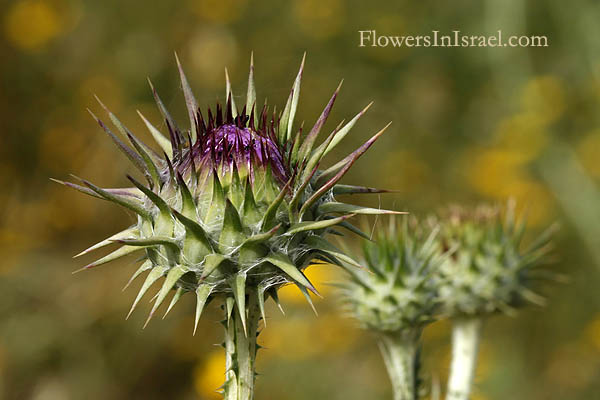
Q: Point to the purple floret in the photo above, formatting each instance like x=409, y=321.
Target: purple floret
x=226, y=144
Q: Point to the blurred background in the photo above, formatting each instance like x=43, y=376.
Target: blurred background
x=469, y=125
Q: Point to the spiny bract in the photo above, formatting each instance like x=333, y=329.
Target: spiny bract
x=489, y=269
x=235, y=206
x=399, y=290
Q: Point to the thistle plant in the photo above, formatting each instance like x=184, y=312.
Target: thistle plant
x=231, y=210
x=489, y=272
x=397, y=297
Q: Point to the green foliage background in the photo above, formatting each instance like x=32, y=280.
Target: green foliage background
x=470, y=124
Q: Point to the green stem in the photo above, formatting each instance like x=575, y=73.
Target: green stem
x=466, y=333
x=240, y=350
x=399, y=351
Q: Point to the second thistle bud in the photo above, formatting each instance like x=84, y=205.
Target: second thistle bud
x=489, y=269
x=397, y=297
x=399, y=290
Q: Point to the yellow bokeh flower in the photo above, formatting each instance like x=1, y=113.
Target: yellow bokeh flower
x=319, y=275
x=336, y=334
x=491, y=171
x=30, y=24
x=502, y=174
x=208, y=376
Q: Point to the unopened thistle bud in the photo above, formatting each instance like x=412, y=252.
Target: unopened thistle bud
x=489, y=271
x=397, y=296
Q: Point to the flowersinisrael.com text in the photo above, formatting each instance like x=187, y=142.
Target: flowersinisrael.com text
x=453, y=39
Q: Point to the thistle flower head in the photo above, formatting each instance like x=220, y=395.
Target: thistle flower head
x=398, y=292
x=235, y=206
x=489, y=269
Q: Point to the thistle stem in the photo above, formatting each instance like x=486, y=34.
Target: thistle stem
x=399, y=351
x=240, y=350
x=466, y=333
